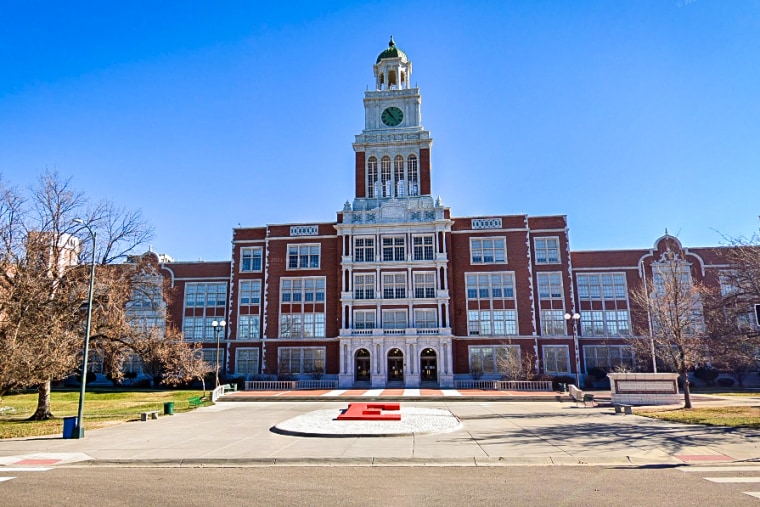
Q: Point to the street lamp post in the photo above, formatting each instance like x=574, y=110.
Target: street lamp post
x=79, y=433
x=575, y=317
x=218, y=327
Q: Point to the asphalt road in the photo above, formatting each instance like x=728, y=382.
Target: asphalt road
x=377, y=485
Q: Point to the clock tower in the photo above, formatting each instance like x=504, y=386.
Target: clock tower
x=395, y=320
x=393, y=150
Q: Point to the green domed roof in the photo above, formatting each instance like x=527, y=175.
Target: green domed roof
x=391, y=52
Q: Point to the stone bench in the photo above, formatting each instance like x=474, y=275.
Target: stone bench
x=621, y=408
x=150, y=414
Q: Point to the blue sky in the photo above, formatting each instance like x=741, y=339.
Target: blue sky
x=628, y=116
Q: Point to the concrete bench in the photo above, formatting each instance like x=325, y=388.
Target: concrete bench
x=150, y=414
x=621, y=408
x=230, y=387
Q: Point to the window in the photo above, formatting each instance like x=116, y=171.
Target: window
x=364, y=286
x=200, y=295
x=553, y=323
x=547, y=250
x=398, y=175
x=424, y=285
x=303, y=290
x=422, y=248
x=394, y=285
x=364, y=250
x=299, y=360
x=372, y=177
x=247, y=361
x=490, y=285
x=425, y=318
x=303, y=256
x=209, y=355
x=394, y=319
x=608, y=286
x=411, y=169
x=493, y=359
x=385, y=176
x=250, y=292
x=607, y=357
x=556, y=359
x=364, y=319
x=549, y=285
x=488, y=250
x=605, y=323
x=251, y=259
x=302, y=325
x=248, y=327
x=394, y=248
x=492, y=322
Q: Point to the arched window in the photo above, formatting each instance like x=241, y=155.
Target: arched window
x=411, y=171
x=398, y=175
x=385, y=176
x=372, y=177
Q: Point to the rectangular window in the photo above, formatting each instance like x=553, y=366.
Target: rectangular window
x=488, y=251
x=301, y=360
x=549, y=285
x=547, y=250
x=490, y=285
x=205, y=295
x=608, y=357
x=394, y=285
x=605, y=323
x=394, y=248
x=394, y=319
x=209, y=356
x=364, y=249
x=251, y=258
x=606, y=287
x=303, y=256
x=494, y=359
x=250, y=292
x=364, y=319
x=248, y=327
x=303, y=290
x=553, y=323
x=556, y=359
x=425, y=318
x=423, y=248
x=492, y=322
x=424, y=285
x=364, y=286
x=302, y=325
x=247, y=361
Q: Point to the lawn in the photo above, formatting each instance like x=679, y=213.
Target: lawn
x=735, y=417
x=101, y=408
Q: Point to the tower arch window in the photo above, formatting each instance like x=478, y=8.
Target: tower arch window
x=411, y=170
x=385, y=176
x=372, y=177
x=398, y=175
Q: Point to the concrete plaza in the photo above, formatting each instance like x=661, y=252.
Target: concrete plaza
x=233, y=433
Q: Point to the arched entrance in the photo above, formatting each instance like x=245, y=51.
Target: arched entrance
x=362, y=366
x=428, y=366
x=395, y=366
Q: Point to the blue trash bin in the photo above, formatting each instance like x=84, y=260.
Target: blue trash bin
x=69, y=427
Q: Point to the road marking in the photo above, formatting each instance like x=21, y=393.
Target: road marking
x=6, y=478
x=24, y=469
x=732, y=479
x=373, y=392
x=725, y=468
x=411, y=392
x=756, y=494
x=335, y=392
x=451, y=392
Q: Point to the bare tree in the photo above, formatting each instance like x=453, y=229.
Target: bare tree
x=674, y=303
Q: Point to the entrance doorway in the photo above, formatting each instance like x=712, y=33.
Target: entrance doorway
x=361, y=365
x=428, y=367
x=395, y=366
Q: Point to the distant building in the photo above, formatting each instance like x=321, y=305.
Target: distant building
x=399, y=292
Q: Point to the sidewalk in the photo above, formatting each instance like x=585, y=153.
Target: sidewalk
x=233, y=433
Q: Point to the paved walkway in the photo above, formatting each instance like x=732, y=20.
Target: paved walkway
x=493, y=433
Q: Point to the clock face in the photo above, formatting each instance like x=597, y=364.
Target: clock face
x=392, y=116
